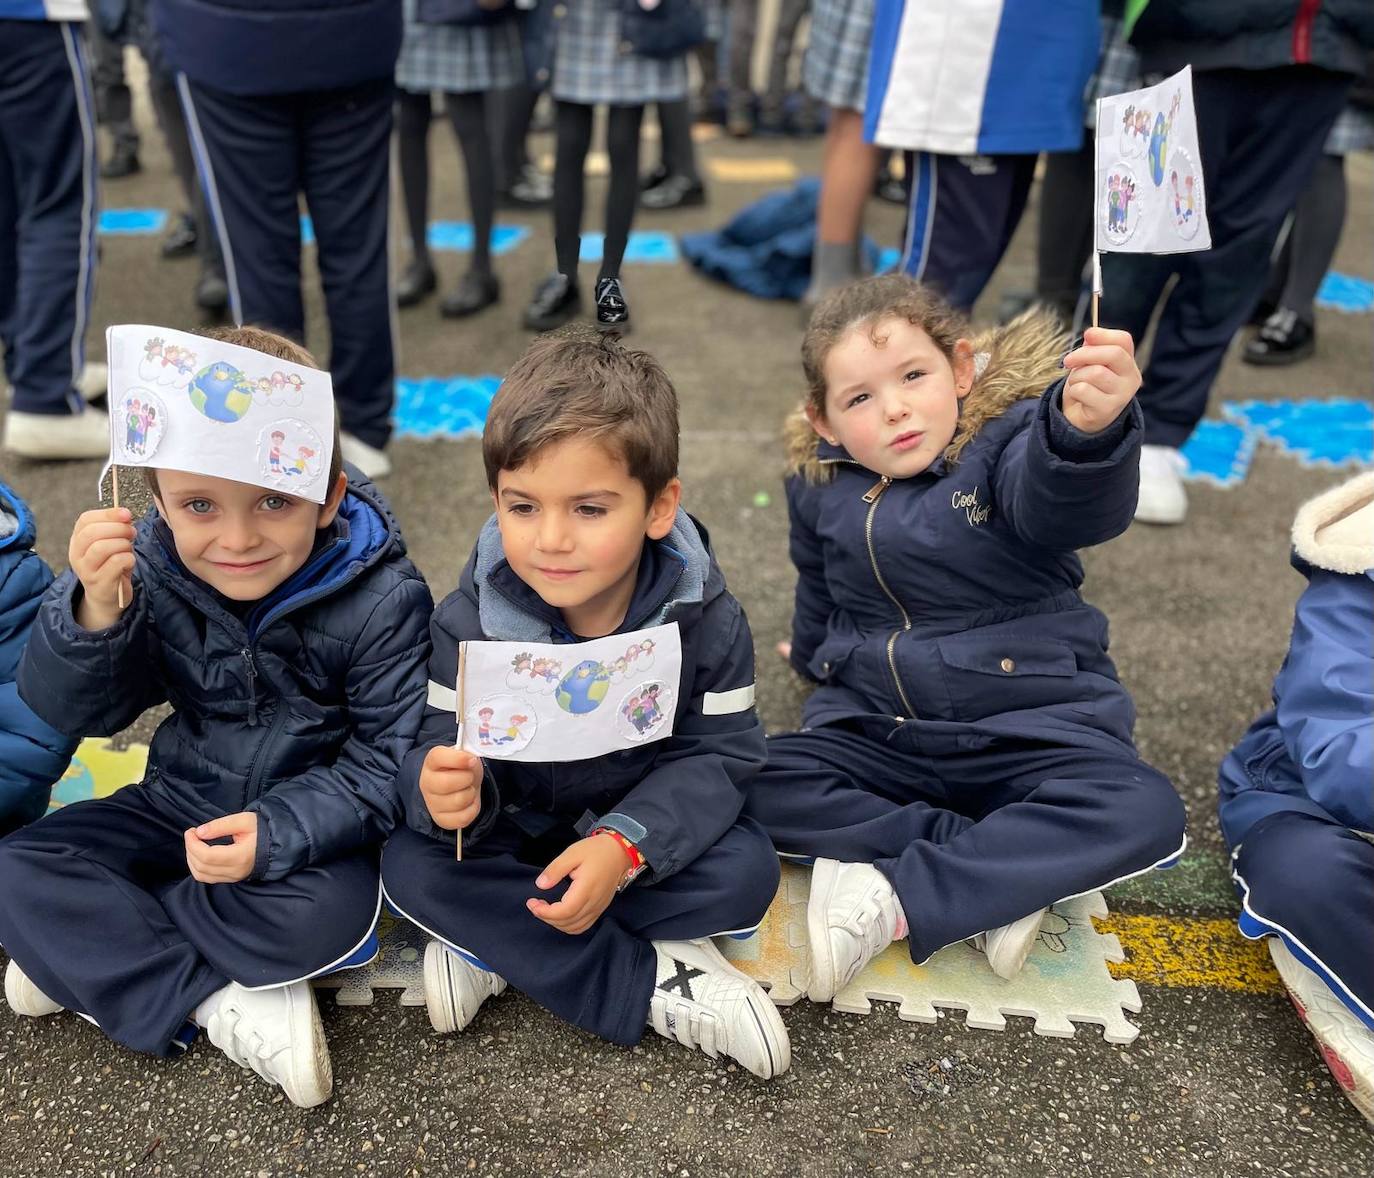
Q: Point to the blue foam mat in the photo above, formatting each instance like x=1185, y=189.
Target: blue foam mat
x=450, y=236
x=1345, y=292
x=131, y=222
x=646, y=245
x=1317, y=433
x=1220, y=453
x=443, y=407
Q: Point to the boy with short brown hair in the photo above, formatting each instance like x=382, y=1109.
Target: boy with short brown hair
x=588, y=540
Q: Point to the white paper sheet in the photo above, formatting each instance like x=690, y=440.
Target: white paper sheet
x=1149, y=196
x=546, y=701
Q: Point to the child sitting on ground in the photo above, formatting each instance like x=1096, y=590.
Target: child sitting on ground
x=966, y=759
x=593, y=885
x=33, y=754
x=1297, y=793
x=289, y=637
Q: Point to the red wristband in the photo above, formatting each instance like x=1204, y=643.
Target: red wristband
x=633, y=852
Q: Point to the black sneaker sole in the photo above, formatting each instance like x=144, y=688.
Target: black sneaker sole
x=1278, y=359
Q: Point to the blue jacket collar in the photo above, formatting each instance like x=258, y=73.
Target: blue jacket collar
x=22, y=534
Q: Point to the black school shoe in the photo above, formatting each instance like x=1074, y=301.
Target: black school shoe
x=674, y=192
x=612, y=311
x=1284, y=339
x=182, y=238
x=475, y=292
x=651, y=180
x=417, y=282
x=555, y=302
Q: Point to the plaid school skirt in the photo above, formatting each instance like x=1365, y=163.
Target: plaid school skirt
x=592, y=65
x=459, y=59
x=835, y=69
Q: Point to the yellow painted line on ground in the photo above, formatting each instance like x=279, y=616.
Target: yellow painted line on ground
x=1209, y=954
x=753, y=171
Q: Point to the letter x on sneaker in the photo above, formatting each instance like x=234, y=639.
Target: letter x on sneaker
x=702, y=1001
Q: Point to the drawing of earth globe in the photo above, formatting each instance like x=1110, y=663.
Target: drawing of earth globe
x=1159, y=143
x=583, y=688
x=221, y=392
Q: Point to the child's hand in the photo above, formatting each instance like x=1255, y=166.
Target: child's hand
x=1103, y=378
x=223, y=864
x=451, y=784
x=785, y=650
x=101, y=553
x=596, y=865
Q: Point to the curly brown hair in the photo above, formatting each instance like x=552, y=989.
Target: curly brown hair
x=1022, y=358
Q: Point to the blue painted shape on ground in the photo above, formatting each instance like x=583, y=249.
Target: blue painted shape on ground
x=1345, y=292
x=131, y=222
x=307, y=230
x=646, y=245
x=1220, y=453
x=443, y=407
x=458, y=236
x=1316, y=433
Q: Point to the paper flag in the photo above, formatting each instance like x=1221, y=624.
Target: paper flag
x=545, y=701
x=185, y=402
x=1149, y=196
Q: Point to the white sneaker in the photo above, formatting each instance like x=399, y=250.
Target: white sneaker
x=719, y=1011
x=372, y=462
x=1346, y=1043
x=24, y=997
x=276, y=1033
x=58, y=435
x=94, y=381
x=852, y=916
x=1008, y=947
x=1163, y=499
x=455, y=988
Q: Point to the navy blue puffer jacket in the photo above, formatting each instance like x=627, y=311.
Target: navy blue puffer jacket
x=301, y=710
x=33, y=754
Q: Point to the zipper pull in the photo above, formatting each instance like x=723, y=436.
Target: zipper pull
x=247, y=653
x=871, y=495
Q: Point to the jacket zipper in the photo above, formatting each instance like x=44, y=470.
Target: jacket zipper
x=871, y=497
x=247, y=653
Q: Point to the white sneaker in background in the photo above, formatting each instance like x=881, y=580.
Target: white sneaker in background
x=455, y=988
x=717, y=1010
x=94, y=381
x=57, y=435
x=372, y=462
x=1346, y=1043
x=852, y=916
x=277, y=1033
x=1008, y=947
x=24, y=997
x=1163, y=499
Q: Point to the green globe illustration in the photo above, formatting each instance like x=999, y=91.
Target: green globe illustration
x=221, y=392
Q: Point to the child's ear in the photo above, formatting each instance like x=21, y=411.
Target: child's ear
x=330, y=507
x=964, y=368
x=663, y=510
x=818, y=423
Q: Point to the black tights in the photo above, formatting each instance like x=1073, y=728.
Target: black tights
x=574, y=129
x=468, y=115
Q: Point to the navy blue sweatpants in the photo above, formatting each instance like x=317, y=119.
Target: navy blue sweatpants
x=963, y=211
x=256, y=156
x=972, y=838
x=1260, y=133
x=602, y=979
x=1310, y=881
x=47, y=211
x=98, y=908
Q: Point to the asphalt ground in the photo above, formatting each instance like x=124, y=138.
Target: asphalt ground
x=1223, y=1079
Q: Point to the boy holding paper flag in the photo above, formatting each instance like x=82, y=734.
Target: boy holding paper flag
x=275, y=609
x=596, y=867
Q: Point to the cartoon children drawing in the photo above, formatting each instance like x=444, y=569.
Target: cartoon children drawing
x=484, y=716
x=274, y=453
x=298, y=465
x=512, y=732
x=134, y=411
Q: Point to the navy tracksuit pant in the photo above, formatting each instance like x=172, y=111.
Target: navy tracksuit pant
x=963, y=211
x=257, y=155
x=972, y=838
x=1260, y=133
x=98, y=908
x=1311, y=881
x=602, y=979
x=48, y=211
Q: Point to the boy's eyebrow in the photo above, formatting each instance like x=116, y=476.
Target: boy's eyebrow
x=517, y=493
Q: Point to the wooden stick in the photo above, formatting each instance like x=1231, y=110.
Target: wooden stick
x=1097, y=282
x=462, y=717
x=114, y=491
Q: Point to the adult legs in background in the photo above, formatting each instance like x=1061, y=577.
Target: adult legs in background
x=1289, y=333
x=519, y=183
x=114, y=104
x=739, y=111
x=622, y=145
x=962, y=215
x=557, y=298
x=847, y=171
x=413, y=114
x=478, y=288
x=1065, y=240
x=771, y=112
x=676, y=182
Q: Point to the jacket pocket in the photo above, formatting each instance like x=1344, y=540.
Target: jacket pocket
x=987, y=675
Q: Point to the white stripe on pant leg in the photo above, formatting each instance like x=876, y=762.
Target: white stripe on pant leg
x=930, y=213
x=466, y=954
x=85, y=275
x=324, y=969
x=207, y=184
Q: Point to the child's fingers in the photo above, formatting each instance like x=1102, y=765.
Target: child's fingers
x=559, y=869
x=1110, y=335
x=231, y=824
x=784, y=649
x=99, y=554
x=1108, y=357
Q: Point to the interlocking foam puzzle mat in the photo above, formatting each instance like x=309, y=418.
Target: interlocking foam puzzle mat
x=450, y=236
x=97, y=770
x=645, y=245
x=1326, y=434
x=1345, y=292
x=1065, y=979
x=399, y=965
x=443, y=407
x=131, y=222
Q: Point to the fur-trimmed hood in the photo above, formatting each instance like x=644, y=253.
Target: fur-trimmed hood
x=1023, y=359
x=1335, y=531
